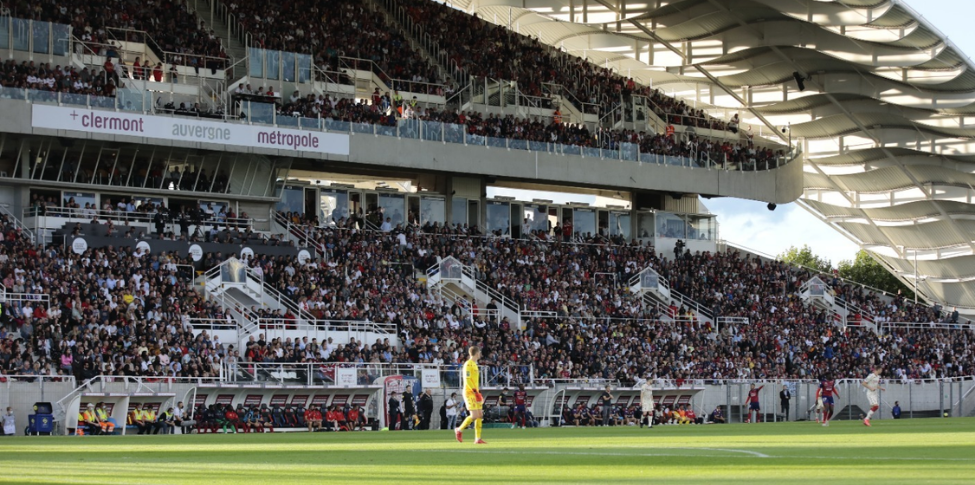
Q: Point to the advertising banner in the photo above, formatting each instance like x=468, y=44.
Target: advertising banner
x=186, y=129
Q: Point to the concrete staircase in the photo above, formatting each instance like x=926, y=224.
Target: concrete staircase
x=207, y=11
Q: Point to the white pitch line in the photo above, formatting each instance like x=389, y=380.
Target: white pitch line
x=685, y=455
x=600, y=453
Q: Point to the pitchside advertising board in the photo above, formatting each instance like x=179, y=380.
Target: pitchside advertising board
x=186, y=129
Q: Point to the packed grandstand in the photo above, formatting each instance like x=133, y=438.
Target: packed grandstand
x=112, y=311
x=118, y=309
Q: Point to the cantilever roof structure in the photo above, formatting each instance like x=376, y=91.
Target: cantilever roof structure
x=886, y=120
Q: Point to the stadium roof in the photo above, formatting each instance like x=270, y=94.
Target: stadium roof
x=887, y=117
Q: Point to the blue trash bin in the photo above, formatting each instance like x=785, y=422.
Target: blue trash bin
x=42, y=421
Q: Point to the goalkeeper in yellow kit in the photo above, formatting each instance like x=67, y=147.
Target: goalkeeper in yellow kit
x=472, y=398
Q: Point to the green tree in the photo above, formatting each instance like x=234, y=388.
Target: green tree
x=866, y=270
x=804, y=256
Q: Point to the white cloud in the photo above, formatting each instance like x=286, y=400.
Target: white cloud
x=752, y=225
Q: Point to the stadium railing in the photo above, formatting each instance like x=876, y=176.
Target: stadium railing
x=366, y=374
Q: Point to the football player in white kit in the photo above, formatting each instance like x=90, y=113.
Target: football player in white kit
x=646, y=403
x=872, y=383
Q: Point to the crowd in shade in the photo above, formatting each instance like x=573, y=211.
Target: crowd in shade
x=122, y=312
x=45, y=82
x=171, y=25
x=331, y=30
x=485, y=50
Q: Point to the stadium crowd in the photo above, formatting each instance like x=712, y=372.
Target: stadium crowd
x=331, y=30
x=477, y=127
x=484, y=50
x=118, y=312
x=46, y=81
x=178, y=32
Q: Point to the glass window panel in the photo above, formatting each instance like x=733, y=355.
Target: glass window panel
x=334, y=205
x=432, y=210
x=536, y=218
x=384, y=130
x=394, y=207
x=630, y=151
x=458, y=210
x=304, y=67
x=700, y=228
x=584, y=222
x=497, y=142
x=288, y=67
x=255, y=58
x=289, y=121
x=101, y=101
x=432, y=130
x=619, y=224
x=645, y=226
x=5, y=32
x=17, y=93
x=62, y=38
x=409, y=129
x=21, y=34
x=80, y=198
x=538, y=146
x=454, y=133
x=310, y=123
x=337, y=126
x=43, y=97
x=670, y=225
x=42, y=37
x=273, y=64
x=476, y=140
x=292, y=199
x=366, y=128
x=590, y=152
x=498, y=218
x=131, y=101
x=259, y=112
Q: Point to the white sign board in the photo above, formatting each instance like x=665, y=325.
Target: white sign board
x=186, y=129
x=430, y=378
x=345, y=376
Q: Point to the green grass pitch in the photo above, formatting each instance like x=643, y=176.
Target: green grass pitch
x=908, y=451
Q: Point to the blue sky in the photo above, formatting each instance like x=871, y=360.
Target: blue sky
x=750, y=224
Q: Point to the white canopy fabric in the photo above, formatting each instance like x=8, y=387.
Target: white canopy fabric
x=887, y=117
